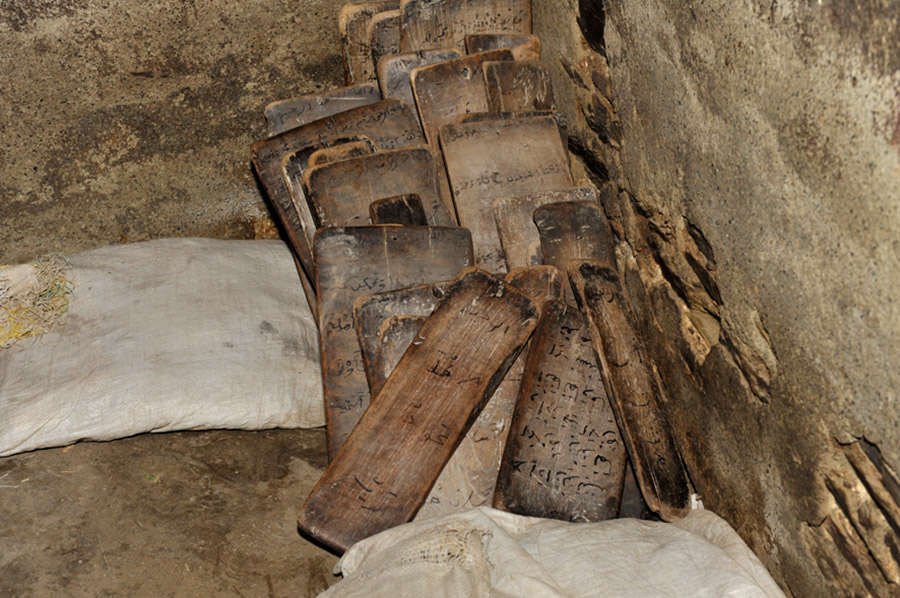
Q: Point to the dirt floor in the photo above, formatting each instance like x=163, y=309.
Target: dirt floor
x=181, y=514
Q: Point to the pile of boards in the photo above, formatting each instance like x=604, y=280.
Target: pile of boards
x=477, y=345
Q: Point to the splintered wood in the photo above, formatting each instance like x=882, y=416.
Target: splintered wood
x=383, y=473
x=356, y=261
x=290, y=114
x=518, y=86
x=400, y=209
x=514, y=217
x=634, y=393
x=340, y=192
x=564, y=456
x=573, y=230
x=468, y=479
x=370, y=312
x=523, y=46
x=446, y=90
x=353, y=23
x=389, y=124
x=495, y=158
x=426, y=24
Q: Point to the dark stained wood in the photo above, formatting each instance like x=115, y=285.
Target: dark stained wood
x=353, y=23
x=634, y=392
x=370, y=312
x=384, y=471
x=396, y=335
x=393, y=71
x=341, y=151
x=446, y=90
x=468, y=479
x=518, y=86
x=426, y=24
x=564, y=456
x=383, y=32
x=574, y=230
x=494, y=158
x=400, y=209
x=356, y=261
x=389, y=124
x=293, y=167
x=285, y=115
x=340, y=192
x=514, y=217
x=523, y=46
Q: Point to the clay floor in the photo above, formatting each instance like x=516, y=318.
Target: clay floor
x=181, y=514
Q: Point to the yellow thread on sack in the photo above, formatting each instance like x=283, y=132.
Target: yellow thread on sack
x=33, y=298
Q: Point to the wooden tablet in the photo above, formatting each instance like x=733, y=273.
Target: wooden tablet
x=384, y=471
x=353, y=23
x=393, y=71
x=523, y=46
x=396, y=335
x=634, y=392
x=518, y=86
x=285, y=115
x=340, y=151
x=426, y=24
x=399, y=209
x=383, y=32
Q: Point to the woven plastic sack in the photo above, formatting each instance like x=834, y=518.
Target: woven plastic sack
x=175, y=334
x=486, y=553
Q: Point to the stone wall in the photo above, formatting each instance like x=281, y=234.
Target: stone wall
x=749, y=160
x=126, y=121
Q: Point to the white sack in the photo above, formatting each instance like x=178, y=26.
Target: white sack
x=175, y=334
x=487, y=553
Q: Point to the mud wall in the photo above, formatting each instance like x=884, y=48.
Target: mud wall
x=126, y=121
x=749, y=157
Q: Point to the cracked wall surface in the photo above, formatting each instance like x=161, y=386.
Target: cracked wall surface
x=127, y=121
x=748, y=156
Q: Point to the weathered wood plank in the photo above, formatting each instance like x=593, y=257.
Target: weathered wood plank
x=514, y=218
x=523, y=46
x=389, y=124
x=494, y=158
x=396, y=335
x=564, y=457
x=574, y=230
x=385, y=469
x=356, y=261
x=340, y=151
x=353, y=23
x=446, y=90
x=340, y=192
x=370, y=312
x=383, y=32
x=468, y=479
x=634, y=392
x=426, y=24
x=406, y=210
x=285, y=115
x=393, y=71
x=518, y=86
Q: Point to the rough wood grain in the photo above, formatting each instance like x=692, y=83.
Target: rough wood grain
x=518, y=86
x=406, y=210
x=340, y=192
x=446, y=90
x=393, y=71
x=494, y=158
x=383, y=32
x=356, y=261
x=389, y=124
x=396, y=335
x=561, y=122
x=293, y=167
x=370, y=312
x=285, y=115
x=523, y=46
x=564, y=456
x=340, y=151
x=634, y=392
x=353, y=23
x=514, y=218
x=574, y=230
x=426, y=24
x=385, y=469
